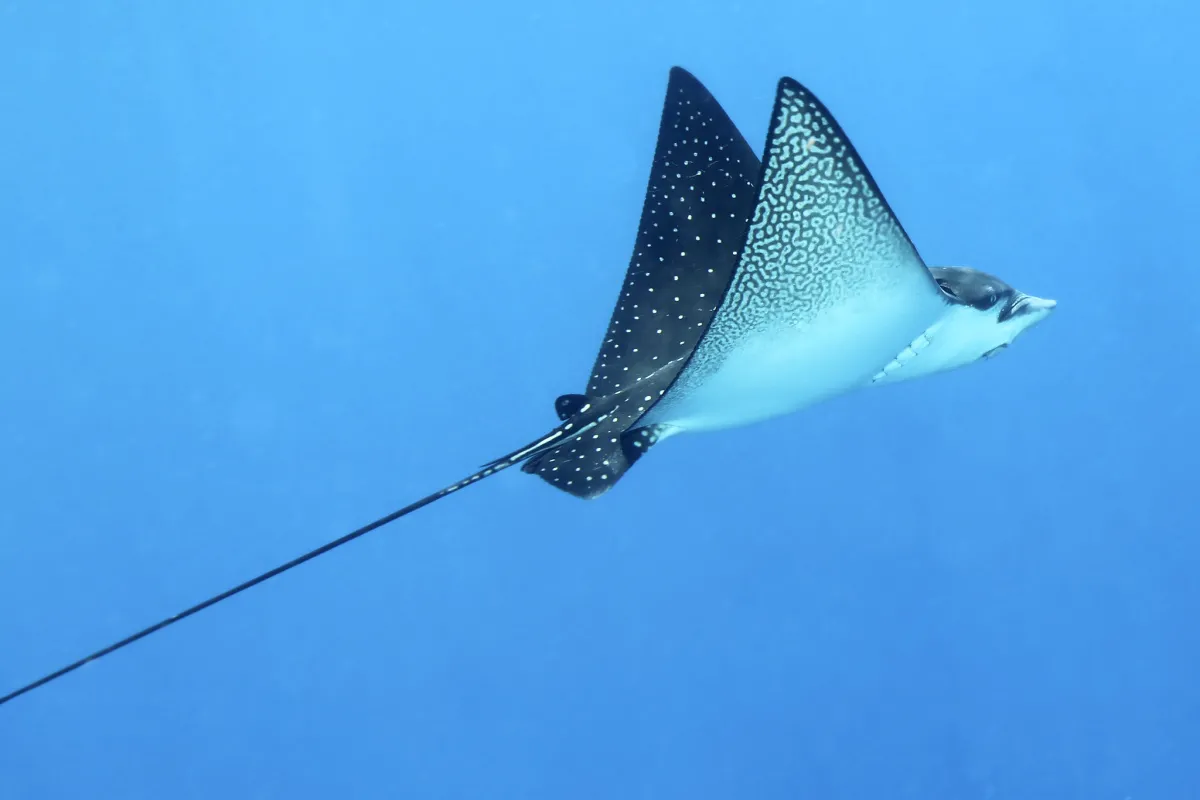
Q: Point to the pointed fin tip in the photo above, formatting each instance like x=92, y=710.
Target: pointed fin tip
x=789, y=87
x=679, y=72
x=680, y=77
x=791, y=83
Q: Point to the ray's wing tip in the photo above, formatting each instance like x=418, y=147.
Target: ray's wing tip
x=790, y=86
x=681, y=80
x=791, y=89
x=684, y=87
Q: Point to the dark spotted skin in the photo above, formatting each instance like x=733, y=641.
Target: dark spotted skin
x=699, y=198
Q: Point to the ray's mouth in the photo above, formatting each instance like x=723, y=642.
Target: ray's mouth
x=1028, y=304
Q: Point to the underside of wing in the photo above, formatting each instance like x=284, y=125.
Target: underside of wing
x=821, y=231
x=815, y=156
x=824, y=263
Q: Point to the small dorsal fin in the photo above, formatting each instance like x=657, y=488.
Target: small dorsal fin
x=568, y=405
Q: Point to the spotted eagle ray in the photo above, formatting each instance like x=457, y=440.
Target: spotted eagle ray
x=755, y=289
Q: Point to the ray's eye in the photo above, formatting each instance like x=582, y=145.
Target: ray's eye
x=946, y=288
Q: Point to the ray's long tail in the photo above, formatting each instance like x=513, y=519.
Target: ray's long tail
x=579, y=424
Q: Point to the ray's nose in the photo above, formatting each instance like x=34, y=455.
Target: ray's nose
x=1033, y=304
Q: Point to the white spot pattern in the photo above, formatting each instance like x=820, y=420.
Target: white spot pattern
x=681, y=265
x=700, y=158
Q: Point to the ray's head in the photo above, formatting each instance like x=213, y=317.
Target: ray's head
x=987, y=314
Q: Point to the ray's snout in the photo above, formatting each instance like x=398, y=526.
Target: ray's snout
x=1028, y=304
x=1041, y=304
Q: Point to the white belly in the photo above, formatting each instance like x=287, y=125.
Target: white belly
x=785, y=369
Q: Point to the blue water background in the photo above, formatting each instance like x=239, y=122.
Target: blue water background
x=269, y=270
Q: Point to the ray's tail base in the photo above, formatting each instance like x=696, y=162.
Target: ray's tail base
x=590, y=464
x=583, y=419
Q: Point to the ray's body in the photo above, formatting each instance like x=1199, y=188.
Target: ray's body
x=754, y=290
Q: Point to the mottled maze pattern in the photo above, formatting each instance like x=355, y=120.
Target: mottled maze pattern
x=821, y=233
x=698, y=200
